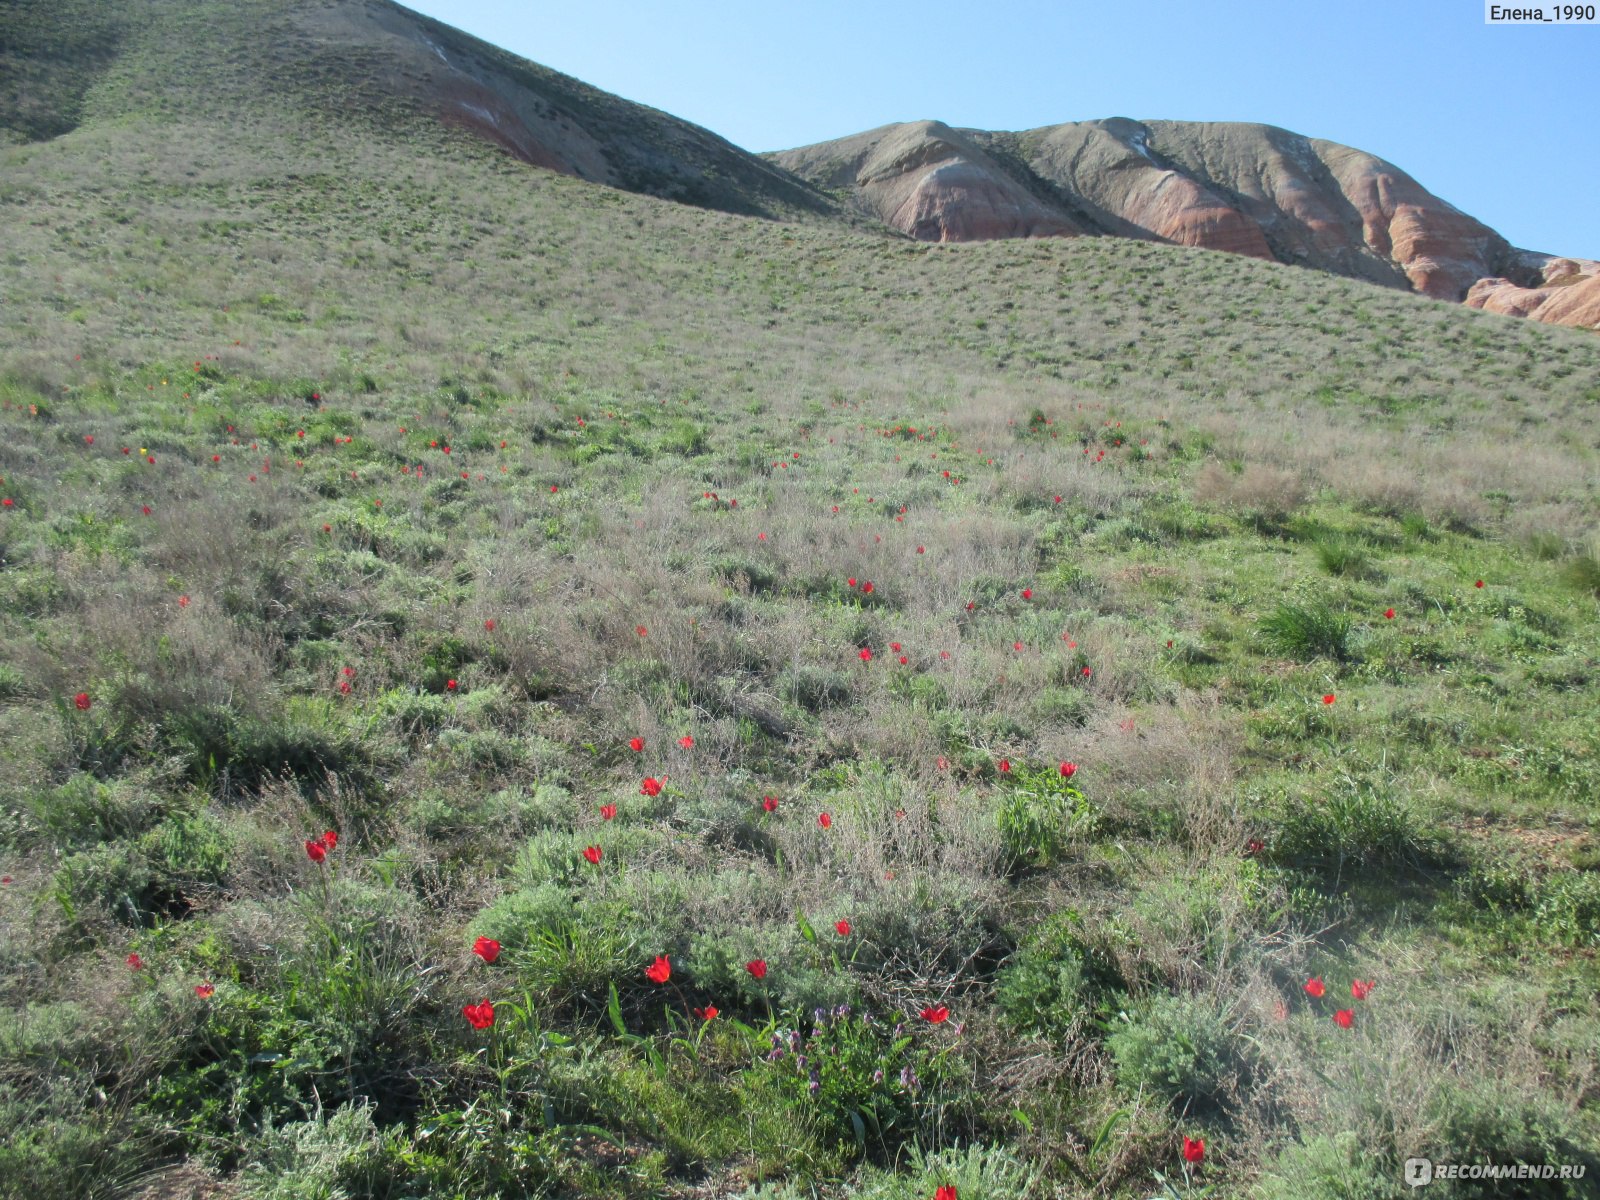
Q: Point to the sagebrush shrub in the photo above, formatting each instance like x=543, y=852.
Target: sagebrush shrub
x=1044, y=993
x=1321, y=1167
x=329, y=1158
x=1182, y=1048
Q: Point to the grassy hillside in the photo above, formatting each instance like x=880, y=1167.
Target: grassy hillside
x=359, y=478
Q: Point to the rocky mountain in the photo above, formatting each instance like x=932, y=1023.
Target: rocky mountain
x=1248, y=189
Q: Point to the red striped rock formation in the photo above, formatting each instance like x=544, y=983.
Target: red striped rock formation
x=1246, y=189
x=1567, y=293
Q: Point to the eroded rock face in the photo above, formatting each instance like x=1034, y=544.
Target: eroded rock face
x=929, y=181
x=1247, y=189
x=544, y=118
x=1568, y=294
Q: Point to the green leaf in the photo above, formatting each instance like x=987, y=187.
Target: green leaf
x=806, y=931
x=1122, y=1114
x=614, y=1008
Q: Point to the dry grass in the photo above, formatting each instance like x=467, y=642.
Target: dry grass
x=417, y=282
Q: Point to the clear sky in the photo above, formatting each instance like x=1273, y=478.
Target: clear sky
x=1498, y=120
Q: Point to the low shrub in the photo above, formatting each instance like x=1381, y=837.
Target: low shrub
x=1330, y=1168
x=1184, y=1049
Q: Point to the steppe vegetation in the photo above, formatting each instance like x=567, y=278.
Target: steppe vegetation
x=1213, y=755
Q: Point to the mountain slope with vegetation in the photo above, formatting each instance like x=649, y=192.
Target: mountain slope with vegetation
x=1247, y=189
x=1191, y=658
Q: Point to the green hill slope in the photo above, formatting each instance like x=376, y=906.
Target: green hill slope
x=366, y=64
x=362, y=477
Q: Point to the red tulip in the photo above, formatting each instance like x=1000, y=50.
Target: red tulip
x=1068, y=770
x=330, y=839
x=1027, y=593
x=659, y=971
x=851, y=581
x=1388, y=614
x=607, y=811
x=1315, y=987
x=593, y=854
x=825, y=820
x=641, y=631
x=316, y=851
x=769, y=803
x=487, y=949
x=867, y=587
x=1361, y=989
x=842, y=928
x=636, y=744
x=1193, y=1150
x=945, y=1192
x=1328, y=699
x=204, y=990
x=82, y=701
x=1344, y=1018
x=706, y=1013
x=757, y=968
x=650, y=787
x=450, y=685
x=895, y=646
x=866, y=654
x=936, y=1016
x=1086, y=672
x=1478, y=584
x=134, y=962
x=1005, y=766
x=479, y=1015
x=489, y=624
x=686, y=742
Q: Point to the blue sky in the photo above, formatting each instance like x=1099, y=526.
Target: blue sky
x=1497, y=120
